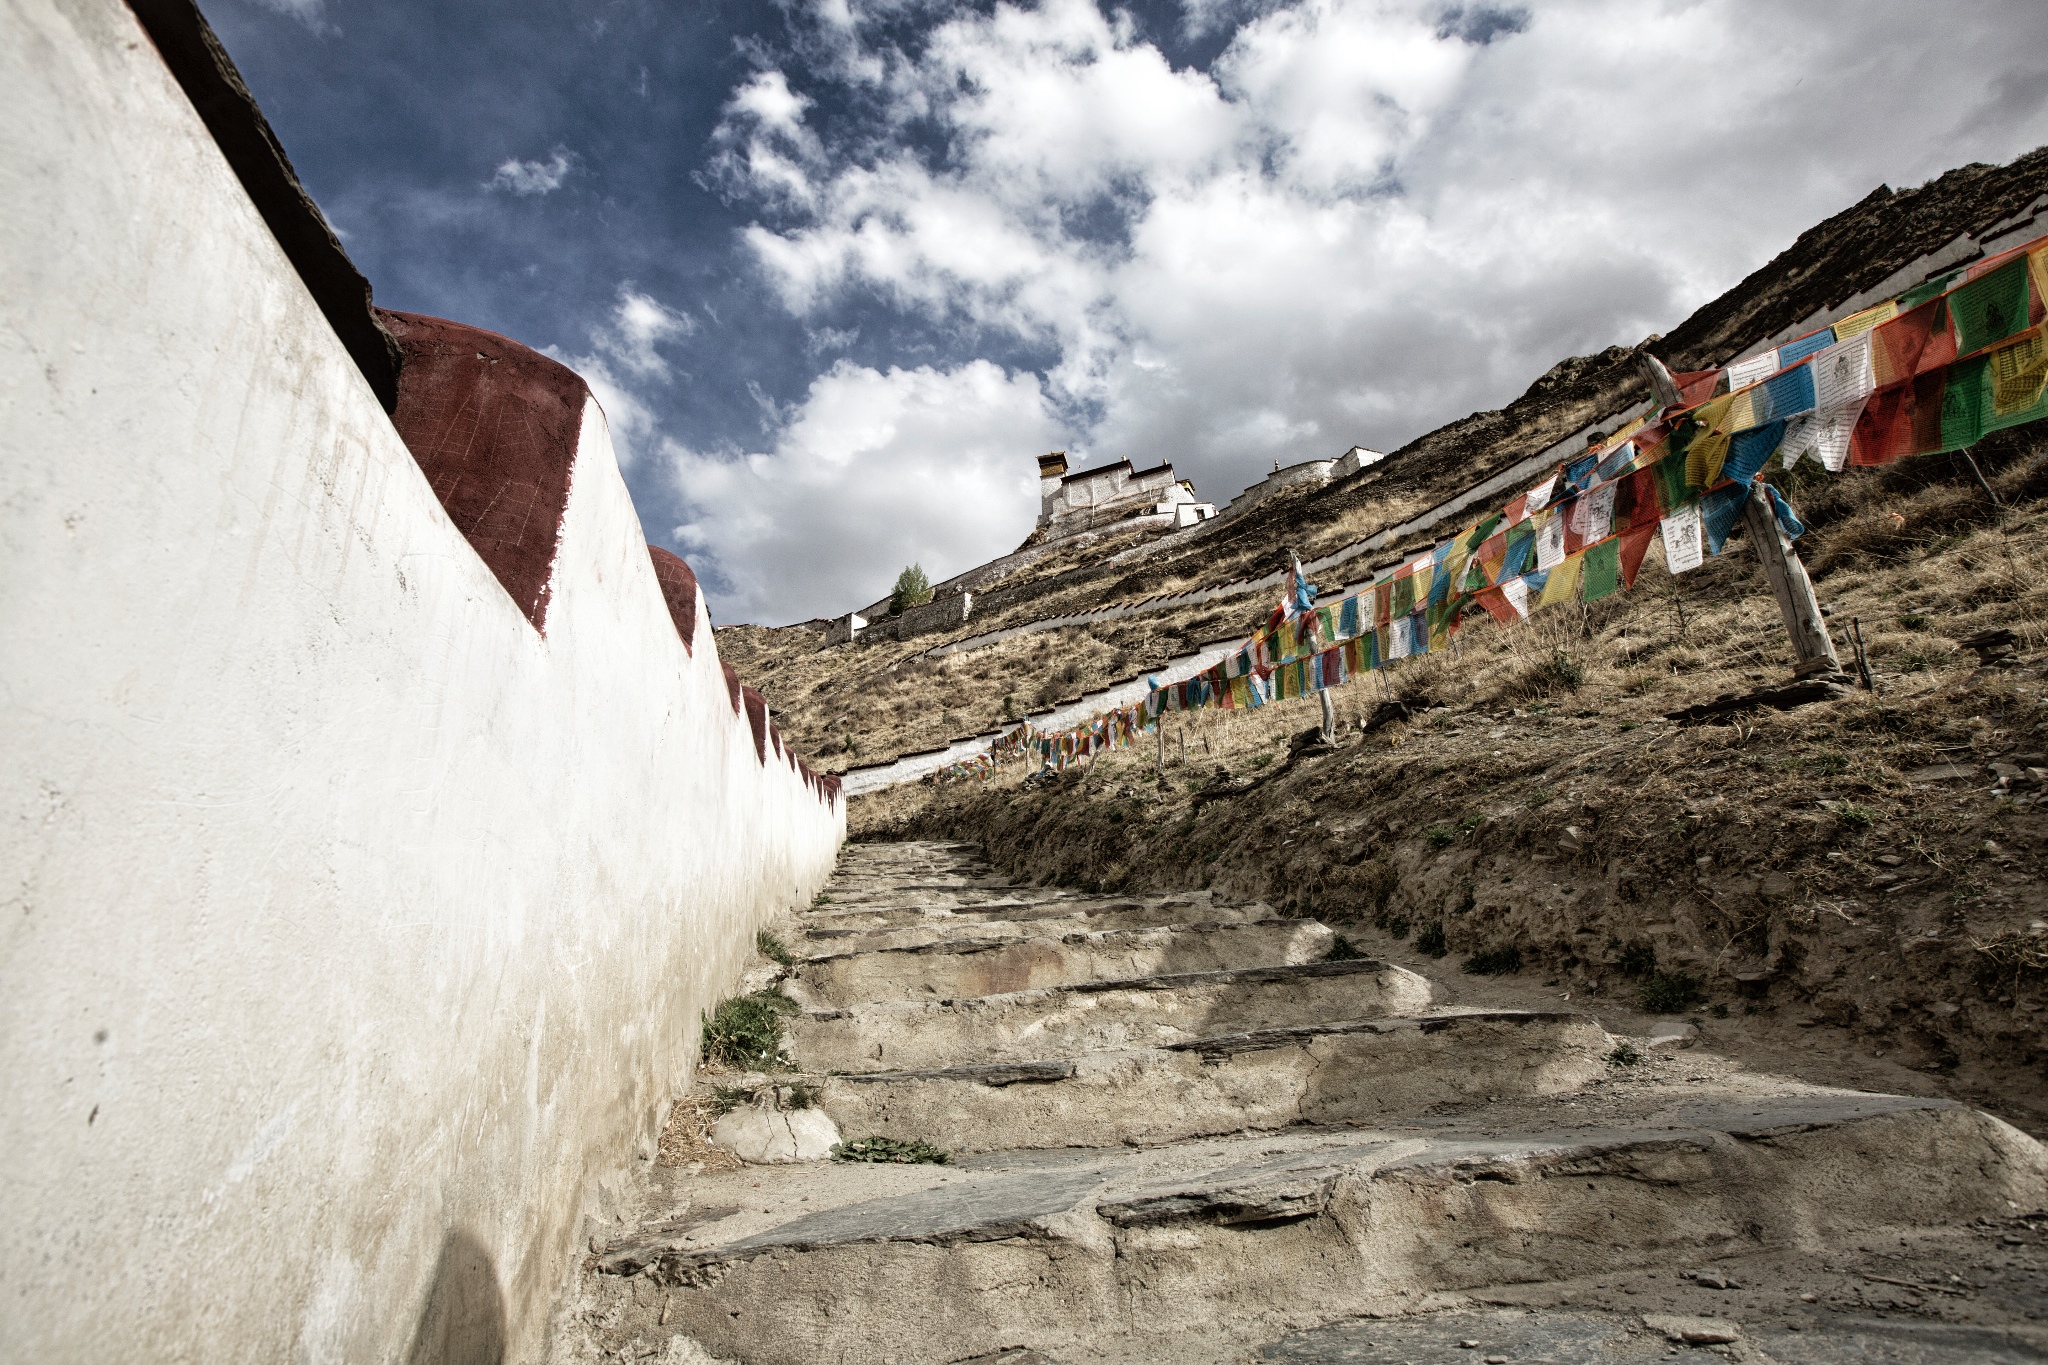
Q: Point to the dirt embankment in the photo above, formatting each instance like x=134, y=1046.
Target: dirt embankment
x=1851, y=891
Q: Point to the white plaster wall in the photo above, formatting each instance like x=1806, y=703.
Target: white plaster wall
x=346, y=917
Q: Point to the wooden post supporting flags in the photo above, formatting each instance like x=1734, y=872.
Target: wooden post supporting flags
x=1812, y=649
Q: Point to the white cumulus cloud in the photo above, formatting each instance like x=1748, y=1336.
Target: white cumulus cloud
x=532, y=177
x=311, y=13
x=1367, y=217
x=871, y=471
x=623, y=358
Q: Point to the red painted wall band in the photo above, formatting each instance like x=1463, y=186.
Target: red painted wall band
x=679, y=590
x=757, y=721
x=494, y=426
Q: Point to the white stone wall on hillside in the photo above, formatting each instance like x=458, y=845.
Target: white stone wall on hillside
x=1308, y=471
x=356, y=931
x=1087, y=499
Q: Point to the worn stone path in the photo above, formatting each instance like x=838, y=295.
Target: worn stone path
x=1181, y=1133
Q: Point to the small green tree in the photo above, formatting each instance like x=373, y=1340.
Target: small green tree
x=913, y=589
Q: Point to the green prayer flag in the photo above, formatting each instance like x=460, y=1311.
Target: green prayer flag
x=1964, y=401
x=1920, y=293
x=1991, y=308
x=1478, y=534
x=1602, y=572
x=1672, y=489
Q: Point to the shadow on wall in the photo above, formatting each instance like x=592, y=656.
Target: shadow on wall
x=464, y=1320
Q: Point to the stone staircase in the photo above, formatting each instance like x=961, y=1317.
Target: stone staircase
x=1181, y=1132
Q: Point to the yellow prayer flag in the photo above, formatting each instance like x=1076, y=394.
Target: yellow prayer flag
x=2018, y=370
x=1741, y=412
x=1563, y=583
x=1856, y=324
x=1704, y=458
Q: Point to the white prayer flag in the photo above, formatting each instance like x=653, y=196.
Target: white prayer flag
x=1684, y=539
x=1832, y=430
x=1754, y=370
x=1550, y=542
x=1516, y=591
x=1400, y=644
x=1798, y=439
x=1539, y=496
x=1843, y=373
x=1592, y=514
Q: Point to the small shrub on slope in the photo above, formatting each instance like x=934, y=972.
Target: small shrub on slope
x=746, y=1031
x=1495, y=961
x=1669, y=992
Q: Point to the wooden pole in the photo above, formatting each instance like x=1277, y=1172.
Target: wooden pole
x=1329, y=717
x=1812, y=649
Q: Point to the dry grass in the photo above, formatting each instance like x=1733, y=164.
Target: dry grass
x=686, y=1139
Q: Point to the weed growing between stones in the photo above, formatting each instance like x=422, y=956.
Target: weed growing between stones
x=774, y=949
x=1624, y=1054
x=1342, y=950
x=890, y=1150
x=746, y=1031
x=726, y=1098
x=1495, y=961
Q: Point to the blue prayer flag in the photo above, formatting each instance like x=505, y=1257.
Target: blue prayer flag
x=1748, y=451
x=1792, y=352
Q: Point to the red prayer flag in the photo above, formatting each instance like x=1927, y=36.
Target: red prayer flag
x=1696, y=386
x=1496, y=603
x=1635, y=543
x=1913, y=343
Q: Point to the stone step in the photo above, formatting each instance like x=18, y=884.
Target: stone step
x=959, y=968
x=1202, y=1251
x=1018, y=921
x=1367, y=1071
x=1098, y=1016
x=881, y=912
x=881, y=890
x=885, y=886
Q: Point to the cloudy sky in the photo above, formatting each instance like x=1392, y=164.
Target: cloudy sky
x=840, y=269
